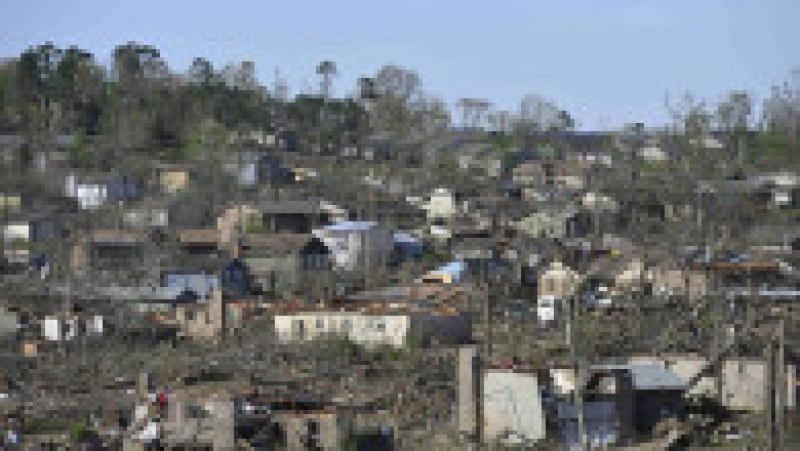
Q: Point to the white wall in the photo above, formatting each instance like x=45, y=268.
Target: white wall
x=512, y=405
x=744, y=385
x=363, y=329
x=90, y=195
x=17, y=232
x=58, y=329
x=441, y=205
x=94, y=325
x=51, y=329
x=9, y=321
x=352, y=249
x=563, y=380
x=547, y=307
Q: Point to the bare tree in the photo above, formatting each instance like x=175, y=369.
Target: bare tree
x=733, y=117
x=501, y=121
x=473, y=111
x=782, y=109
x=327, y=70
x=689, y=115
x=734, y=111
x=538, y=113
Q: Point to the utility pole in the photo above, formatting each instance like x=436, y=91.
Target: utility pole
x=770, y=396
x=780, y=380
x=776, y=387
x=578, y=368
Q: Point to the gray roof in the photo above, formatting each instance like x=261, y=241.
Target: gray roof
x=385, y=294
x=649, y=376
x=61, y=140
x=353, y=225
x=290, y=206
x=143, y=294
x=11, y=140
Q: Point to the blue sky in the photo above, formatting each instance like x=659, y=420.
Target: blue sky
x=608, y=62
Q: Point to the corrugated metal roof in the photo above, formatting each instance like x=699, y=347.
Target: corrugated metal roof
x=404, y=237
x=117, y=237
x=352, y=225
x=277, y=241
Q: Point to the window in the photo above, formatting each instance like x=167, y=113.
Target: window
x=313, y=428
x=320, y=323
x=298, y=326
x=196, y=412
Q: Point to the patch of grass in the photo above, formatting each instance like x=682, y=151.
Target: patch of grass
x=49, y=425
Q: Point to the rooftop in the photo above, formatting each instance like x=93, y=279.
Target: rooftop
x=117, y=237
x=290, y=207
x=352, y=225
x=647, y=376
x=276, y=241
x=198, y=236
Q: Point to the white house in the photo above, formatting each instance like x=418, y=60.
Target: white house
x=441, y=204
x=507, y=404
x=556, y=283
x=156, y=217
x=15, y=239
x=653, y=153
x=9, y=321
x=707, y=142
x=357, y=244
x=56, y=328
x=547, y=223
x=89, y=195
x=598, y=202
x=782, y=185
x=512, y=407
x=336, y=212
x=17, y=232
x=392, y=326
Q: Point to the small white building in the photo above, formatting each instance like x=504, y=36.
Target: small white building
x=88, y=195
x=707, y=142
x=512, y=407
x=653, y=153
x=336, y=212
x=57, y=328
x=598, y=202
x=507, y=402
x=391, y=326
x=17, y=232
x=556, y=283
x=9, y=321
x=441, y=204
x=357, y=244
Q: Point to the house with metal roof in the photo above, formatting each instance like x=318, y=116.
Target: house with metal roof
x=357, y=244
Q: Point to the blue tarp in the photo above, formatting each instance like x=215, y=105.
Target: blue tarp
x=200, y=284
x=455, y=269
